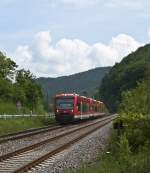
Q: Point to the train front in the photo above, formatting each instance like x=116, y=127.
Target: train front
x=64, y=108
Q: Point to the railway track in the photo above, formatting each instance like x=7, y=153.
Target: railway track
x=26, y=158
x=28, y=133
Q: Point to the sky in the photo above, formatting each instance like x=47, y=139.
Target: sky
x=54, y=38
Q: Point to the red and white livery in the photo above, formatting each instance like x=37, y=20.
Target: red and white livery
x=70, y=107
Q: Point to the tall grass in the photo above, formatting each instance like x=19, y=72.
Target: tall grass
x=19, y=124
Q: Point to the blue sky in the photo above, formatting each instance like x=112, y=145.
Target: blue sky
x=62, y=37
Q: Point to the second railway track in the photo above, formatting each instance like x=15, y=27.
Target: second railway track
x=24, y=159
x=28, y=133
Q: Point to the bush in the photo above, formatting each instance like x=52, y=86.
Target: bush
x=137, y=100
x=7, y=108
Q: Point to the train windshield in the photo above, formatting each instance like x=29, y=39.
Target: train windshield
x=65, y=103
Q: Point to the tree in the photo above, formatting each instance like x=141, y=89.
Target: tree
x=32, y=91
x=7, y=70
x=7, y=67
x=23, y=76
x=23, y=88
x=137, y=100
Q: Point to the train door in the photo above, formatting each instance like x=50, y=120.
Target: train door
x=81, y=110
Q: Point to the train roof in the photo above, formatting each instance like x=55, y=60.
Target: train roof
x=74, y=94
x=66, y=94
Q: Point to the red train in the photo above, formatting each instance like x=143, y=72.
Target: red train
x=71, y=107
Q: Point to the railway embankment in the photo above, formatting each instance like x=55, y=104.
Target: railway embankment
x=55, y=148
x=20, y=123
x=84, y=152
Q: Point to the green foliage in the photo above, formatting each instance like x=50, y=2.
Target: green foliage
x=137, y=100
x=18, y=86
x=7, y=108
x=6, y=90
x=137, y=127
x=7, y=66
x=124, y=76
x=135, y=114
x=129, y=151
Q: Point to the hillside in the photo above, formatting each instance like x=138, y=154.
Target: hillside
x=85, y=83
x=124, y=76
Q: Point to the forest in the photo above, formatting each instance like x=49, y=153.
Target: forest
x=124, y=76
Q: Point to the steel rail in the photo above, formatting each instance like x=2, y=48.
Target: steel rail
x=28, y=133
x=24, y=131
x=36, y=145
x=38, y=161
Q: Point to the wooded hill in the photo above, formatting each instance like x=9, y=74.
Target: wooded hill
x=125, y=76
x=84, y=83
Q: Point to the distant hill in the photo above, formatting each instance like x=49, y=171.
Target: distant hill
x=84, y=83
x=124, y=76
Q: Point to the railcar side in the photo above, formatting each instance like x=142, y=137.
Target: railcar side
x=71, y=107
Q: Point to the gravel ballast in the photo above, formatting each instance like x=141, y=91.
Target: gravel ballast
x=85, y=151
x=14, y=145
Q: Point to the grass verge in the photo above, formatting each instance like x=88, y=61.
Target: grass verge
x=13, y=125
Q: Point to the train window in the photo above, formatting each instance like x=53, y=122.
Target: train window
x=88, y=107
x=84, y=107
x=92, y=107
x=95, y=108
x=79, y=106
x=66, y=103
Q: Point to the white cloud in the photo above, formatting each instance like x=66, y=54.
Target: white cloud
x=71, y=56
x=124, y=44
x=148, y=32
x=135, y=4
x=131, y=4
x=23, y=57
x=138, y=4
x=80, y=3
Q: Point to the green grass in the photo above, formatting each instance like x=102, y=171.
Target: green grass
x=138, y=163
x=13, y=125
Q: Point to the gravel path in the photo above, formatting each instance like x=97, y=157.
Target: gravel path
x=83, y=152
